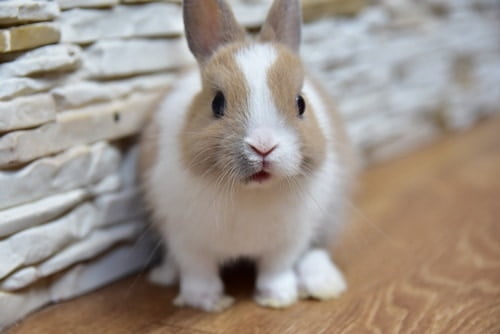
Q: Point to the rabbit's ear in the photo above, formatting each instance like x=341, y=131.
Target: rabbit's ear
x=283, y=24
x=209, y=24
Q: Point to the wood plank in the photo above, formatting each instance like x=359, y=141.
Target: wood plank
x=422, y=254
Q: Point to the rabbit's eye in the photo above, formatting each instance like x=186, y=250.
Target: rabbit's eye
x=301, y=105
x=218, y=105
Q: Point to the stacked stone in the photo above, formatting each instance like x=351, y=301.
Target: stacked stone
x=78, y=78
x=75, y=77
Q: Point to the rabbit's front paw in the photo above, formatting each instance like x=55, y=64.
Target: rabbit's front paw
x=277, y=291
x=206, y=302
x=206, y=295
x=318, y=276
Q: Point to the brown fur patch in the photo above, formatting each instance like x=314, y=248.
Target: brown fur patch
x=207, y=142
x=285, y=79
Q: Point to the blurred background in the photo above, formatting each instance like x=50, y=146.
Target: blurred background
x=78, y=78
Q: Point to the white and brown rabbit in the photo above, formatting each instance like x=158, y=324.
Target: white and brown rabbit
x=246, y=158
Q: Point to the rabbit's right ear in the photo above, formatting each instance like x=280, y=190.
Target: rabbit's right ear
x=209, y=24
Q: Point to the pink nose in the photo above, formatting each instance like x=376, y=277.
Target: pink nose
x=262, y=151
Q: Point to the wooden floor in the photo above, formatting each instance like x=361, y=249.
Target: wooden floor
x=422, y=255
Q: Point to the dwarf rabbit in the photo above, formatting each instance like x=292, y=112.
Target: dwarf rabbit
x=245, y=157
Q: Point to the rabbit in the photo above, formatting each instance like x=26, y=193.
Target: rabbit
x=245, y=157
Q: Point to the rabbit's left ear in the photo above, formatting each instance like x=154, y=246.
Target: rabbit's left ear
x=209, y=24
x=283, y=24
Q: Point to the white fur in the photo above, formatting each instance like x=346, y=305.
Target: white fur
x=266, y=128
x=318, y=277
x=205, y=226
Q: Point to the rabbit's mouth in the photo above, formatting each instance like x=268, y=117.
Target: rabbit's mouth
x=260, y=177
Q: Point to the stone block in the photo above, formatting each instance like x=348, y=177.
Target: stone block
x=87, y=92
x=24, y=216
x=117, y=207
x=148, y=20
x=380, y=136
x=13, y=87
x=28, y=36
x=15, y=12
x=91, y=124
x=67, y=4
x=103, y=270
x=14, y=306
x=47, y=59
x=19, y=279
x=120, y=58
x=250, y=14
x=26, y=112
x=21, y=217
x=41, y=242
x=144, y=1
x=78, y=167
x=316, y=9
x=95, y=244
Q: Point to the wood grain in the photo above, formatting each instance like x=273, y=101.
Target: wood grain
x=422, y=255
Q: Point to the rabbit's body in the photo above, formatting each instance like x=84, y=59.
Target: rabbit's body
x=260, y=186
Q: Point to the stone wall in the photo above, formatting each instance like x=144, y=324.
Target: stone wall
x=404, y=72
x=77, y=78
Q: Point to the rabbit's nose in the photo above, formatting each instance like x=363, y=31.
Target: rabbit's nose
x=262, y=150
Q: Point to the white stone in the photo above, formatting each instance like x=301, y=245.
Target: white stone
x=19, y=279
x=27, y=11
x=13, y=87
x=406, y=12
x=15, y=306
x=61, y=57
x=109, y=121
x=78, y=167
x=96, y=243
x=66, y=4
x=40, y=242
x=383, y=136
x=86, y=92
x=110, y=183
x=250, y=13
x=26, y=112
x=405, y=141
x=129, y=168
x=113, y=208
x=118, y=58
x=28, y=215
x=148, y=20
x=143, y=1
x=106, y=269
